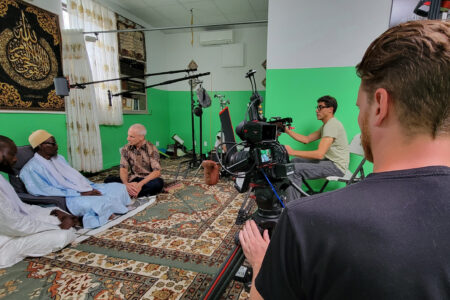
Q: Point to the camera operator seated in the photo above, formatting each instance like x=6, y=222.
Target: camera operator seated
x=332, y=156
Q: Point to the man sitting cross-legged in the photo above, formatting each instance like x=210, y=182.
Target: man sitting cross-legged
x=27, y=230
x=48, y=174
x=142, y=159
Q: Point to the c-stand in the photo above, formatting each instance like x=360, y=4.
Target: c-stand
x=223, y=104
x=195, y=162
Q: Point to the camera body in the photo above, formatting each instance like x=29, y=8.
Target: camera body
x=262, y=167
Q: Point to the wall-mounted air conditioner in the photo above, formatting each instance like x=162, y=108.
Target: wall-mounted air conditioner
x=216, y=37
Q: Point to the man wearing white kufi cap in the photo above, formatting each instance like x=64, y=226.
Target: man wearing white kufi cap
x=48, y=174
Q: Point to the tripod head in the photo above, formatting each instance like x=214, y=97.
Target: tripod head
x=222, y=101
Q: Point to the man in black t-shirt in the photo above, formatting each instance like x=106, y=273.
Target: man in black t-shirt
x=386, y=237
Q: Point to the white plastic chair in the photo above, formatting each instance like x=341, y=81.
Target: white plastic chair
x=350, y=177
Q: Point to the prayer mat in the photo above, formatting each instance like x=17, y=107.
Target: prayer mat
x=172, y=249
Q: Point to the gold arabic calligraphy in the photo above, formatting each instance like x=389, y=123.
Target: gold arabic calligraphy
x=26, y=56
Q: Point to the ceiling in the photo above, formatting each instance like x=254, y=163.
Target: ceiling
x=173, y=13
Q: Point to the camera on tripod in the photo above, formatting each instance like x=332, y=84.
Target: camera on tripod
x=260, y=164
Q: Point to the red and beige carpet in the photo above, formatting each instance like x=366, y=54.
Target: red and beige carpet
x=172, y=249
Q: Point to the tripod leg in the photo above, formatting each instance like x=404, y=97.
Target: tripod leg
x=298, y=188
x=198, y=169
x=244, y=210
x=187, y=172
x=178, y=171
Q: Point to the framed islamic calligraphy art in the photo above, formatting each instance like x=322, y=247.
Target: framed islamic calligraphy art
x=30, y=57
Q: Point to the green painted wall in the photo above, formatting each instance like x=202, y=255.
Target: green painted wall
x=294, y=92
x=290, y=93
x=156, y=122
x=180, y=116
x=18, y=126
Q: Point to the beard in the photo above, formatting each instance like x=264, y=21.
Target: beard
x=365, y=138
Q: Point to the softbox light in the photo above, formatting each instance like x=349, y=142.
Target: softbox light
x=178, y=139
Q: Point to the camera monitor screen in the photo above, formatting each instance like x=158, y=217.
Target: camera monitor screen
x=269, y=132
x=227, y=129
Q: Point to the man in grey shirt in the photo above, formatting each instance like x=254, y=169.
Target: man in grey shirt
x=332, y=156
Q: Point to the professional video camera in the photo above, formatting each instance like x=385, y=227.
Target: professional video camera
x=260, y=164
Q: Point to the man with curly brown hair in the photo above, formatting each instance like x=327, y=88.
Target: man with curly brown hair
x=386, y=237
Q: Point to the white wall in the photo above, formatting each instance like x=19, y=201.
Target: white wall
x=323, y=33
x=154, y=43
x=156, y=58
x=53, y=6
x=176, y=53
x=173, y=51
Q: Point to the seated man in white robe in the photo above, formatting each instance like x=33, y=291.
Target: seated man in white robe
x=48, y=174
x=27, y=230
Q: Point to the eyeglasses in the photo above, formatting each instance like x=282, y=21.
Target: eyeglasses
x=49, y=143
x=320, y=107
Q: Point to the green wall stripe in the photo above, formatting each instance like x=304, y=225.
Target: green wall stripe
x=294, y=93
x=180, y=116
x=18, y=126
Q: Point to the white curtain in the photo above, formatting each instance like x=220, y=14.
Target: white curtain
x=103, y=55
x=83, y=133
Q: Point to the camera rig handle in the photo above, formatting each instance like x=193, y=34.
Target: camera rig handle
x=281, y=123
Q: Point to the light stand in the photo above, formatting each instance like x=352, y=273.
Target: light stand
x=222, y=103
x=194, y=162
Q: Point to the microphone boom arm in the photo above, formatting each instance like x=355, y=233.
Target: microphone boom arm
x=83, y=85
x=164, y=83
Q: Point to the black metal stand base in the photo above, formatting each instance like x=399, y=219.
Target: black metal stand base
x=186, y=166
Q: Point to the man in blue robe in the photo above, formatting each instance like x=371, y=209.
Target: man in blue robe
x=48, y=174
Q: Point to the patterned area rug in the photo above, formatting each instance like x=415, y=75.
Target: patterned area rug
x=173, y=249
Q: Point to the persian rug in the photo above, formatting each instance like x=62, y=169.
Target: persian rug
x=172, y=249
x=30, y=57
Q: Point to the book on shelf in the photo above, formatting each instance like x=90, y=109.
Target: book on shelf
x=127, y=103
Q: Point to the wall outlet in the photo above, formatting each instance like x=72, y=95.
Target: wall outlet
x=205, y=143
x=157, y=144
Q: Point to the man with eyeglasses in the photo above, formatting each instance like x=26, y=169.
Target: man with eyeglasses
x=48, y=174
x=386, y=237
x=332, y=156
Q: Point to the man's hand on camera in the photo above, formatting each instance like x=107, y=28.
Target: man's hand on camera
x=253, y=244
x=289, y=150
